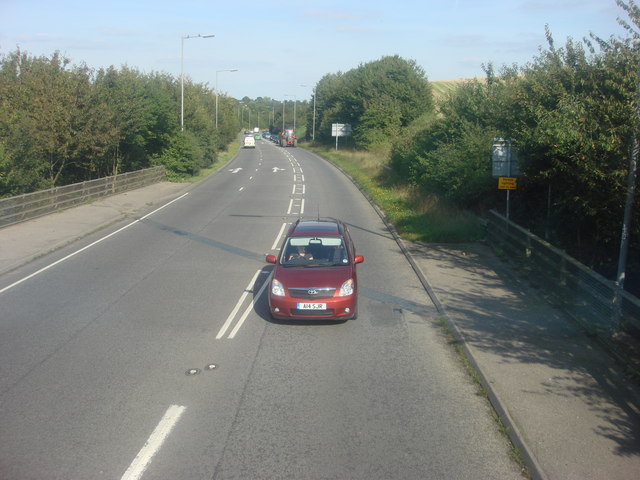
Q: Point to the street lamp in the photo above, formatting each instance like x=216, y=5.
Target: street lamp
x=218, y=71
x=313, y=130
x=182, y=39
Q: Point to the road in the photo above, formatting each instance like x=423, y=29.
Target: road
x=150, y=353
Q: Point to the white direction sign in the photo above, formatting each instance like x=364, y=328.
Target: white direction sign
x=340, y=129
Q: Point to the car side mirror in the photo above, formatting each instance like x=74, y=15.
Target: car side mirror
x=270, y=259
x=359, y=259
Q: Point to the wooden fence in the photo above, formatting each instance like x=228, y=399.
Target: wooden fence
x=31, y=205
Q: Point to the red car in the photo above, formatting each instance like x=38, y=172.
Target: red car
x=315, y=273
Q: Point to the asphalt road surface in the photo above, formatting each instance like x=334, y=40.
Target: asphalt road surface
x=151, y=354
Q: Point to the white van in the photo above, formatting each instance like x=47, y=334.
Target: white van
x=249, y=142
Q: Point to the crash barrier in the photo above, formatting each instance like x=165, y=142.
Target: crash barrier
x=31, y=205
x=599, y=305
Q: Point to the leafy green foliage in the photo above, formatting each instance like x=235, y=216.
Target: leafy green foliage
x=378, y=99
x=62, y=124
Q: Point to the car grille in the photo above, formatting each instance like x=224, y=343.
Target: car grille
x=312, y=313
x=312, y=293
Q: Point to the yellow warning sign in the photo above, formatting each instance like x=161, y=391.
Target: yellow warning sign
x=507, y=183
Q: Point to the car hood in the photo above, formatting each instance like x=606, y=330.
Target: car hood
x=320, y=277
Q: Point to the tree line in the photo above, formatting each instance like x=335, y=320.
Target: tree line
x=571, y=112
x=63, y=123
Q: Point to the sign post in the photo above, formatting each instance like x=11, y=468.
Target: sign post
x=340, y=130
x=505, y=166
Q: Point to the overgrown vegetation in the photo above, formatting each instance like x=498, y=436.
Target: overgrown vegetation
x=61, y=124
x=416, y=216
x=571, y=112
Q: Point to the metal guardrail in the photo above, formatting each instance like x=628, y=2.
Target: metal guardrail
x=31, y=205
x=598, y=304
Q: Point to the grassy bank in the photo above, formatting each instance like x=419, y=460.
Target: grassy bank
x=415, y=215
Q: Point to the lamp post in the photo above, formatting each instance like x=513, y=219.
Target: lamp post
x=313, y=129
x=182, y=39
x=217, y=72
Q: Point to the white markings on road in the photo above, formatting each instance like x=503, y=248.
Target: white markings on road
x=153, y=444
x=277, y=240
x=235, y=170
x=290, y=207
x=8, y=287
x=248, y=310
x=234, y=312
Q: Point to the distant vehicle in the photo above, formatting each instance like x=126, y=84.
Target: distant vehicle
x=256, y=130
x=249, y=142
x=287, y=138
x=314, y=276
x=257, y=136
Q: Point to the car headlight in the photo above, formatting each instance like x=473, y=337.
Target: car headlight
x=346, y=289
x=276, y=288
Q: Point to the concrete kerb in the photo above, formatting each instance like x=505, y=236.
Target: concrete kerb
x=513, y=432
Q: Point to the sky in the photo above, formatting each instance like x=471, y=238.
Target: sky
x=281, y=49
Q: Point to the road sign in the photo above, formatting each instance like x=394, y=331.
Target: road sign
x=340, y=129
x=507, y=183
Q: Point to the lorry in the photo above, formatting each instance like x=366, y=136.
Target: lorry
x=287, y=138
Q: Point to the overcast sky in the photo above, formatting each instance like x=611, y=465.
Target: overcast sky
x=279, y=45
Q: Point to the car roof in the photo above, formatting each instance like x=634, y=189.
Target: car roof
x=317, y=227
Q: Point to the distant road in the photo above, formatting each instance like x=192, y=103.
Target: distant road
x=151, y=354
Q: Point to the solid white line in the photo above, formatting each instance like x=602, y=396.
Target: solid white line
x=233, y=313
x=277, y=240
x=248, y=310
x=155, y=441
x=89, y=246
x=302, y=207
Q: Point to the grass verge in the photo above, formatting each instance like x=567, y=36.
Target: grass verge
x=416, y=216
x=223, y=158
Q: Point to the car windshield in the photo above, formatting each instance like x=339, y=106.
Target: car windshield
x=314, y=252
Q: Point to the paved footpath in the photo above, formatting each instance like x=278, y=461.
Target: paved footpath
x=568, y=408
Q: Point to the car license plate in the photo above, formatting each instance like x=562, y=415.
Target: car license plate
x=312, y=306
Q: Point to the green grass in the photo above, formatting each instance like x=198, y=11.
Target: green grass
x=416, y=216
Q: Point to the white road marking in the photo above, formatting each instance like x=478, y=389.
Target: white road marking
x=153, y=444
x=248, y=310
x=277, y=240
x=8, y=287
x=302, y=207
x=290, y=206
x=233, y=313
